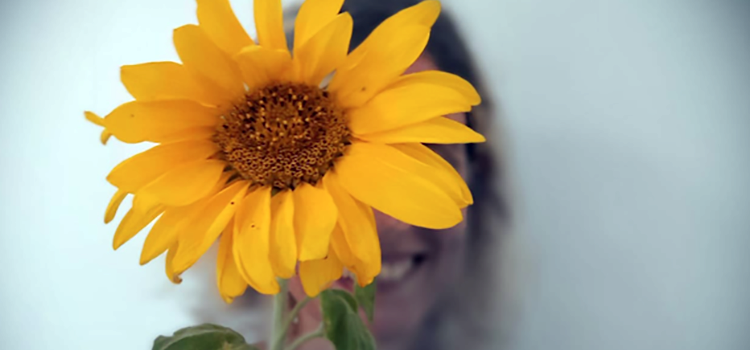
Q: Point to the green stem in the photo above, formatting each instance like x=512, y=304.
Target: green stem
x=318, y=333
x=290, y=318
x=295, y=311
x=278, y=334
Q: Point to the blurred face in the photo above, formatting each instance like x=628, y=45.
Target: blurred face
x=418, y=264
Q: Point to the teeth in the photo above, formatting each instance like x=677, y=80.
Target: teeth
x=394, y=272
x=389, y=272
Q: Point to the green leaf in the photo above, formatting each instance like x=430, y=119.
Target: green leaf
x=366, y=298
x=242, y=347
x=350, y=300
x=343, y=326
x=203, y=337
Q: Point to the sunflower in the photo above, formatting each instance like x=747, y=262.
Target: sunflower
x=282, y=156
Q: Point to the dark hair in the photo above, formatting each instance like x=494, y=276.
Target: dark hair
x=461, y=318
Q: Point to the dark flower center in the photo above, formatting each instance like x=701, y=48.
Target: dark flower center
x=282, y=135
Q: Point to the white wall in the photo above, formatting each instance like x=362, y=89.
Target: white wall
x=626, y=124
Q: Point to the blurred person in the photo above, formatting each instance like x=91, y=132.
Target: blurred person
x=437, y=288
x=435, y=284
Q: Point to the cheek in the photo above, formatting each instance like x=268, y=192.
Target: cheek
x=295, y=288
x=453, y=240
x=460, y=162
x=421, y=64
x=460, y=229
x=459, y=117
x=449, y=261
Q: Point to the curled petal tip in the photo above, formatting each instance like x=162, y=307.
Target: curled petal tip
x=104, y=137
x=92, y=117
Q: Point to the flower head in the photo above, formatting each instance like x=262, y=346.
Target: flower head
x=256, y=151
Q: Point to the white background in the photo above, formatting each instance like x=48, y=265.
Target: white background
x=625, y=125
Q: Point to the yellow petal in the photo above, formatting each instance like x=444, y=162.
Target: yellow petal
x=199, y=133
x=114, y=204
x=92, y=117
x=315, y=216
x=313, y=15
x=203, y=229
x=172, y=274
x=386, y=53
x=396, y=185
x=435, y=130
x=208, y=64
x=187, y=183
x=159, y=121
x=365, y=272
x=406, y=105
x=164, y=233
x=144, y=202
x=217, y=19
x=261, y=65
x=318, y=275
x=425, y=13
x=436, y=77
x=283, y=243
x=357, y=222
x=339, y=245
x=137, y=171
x=228, y=278
x=165, y=230
x=269, y=24
x=132, y=223
x=252, y=239
x=164, y=80
x=379, y=66
x=448, y=178
x=104, y=137
x=324, y=51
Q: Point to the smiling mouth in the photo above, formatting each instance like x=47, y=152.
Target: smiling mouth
x=394, y=270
